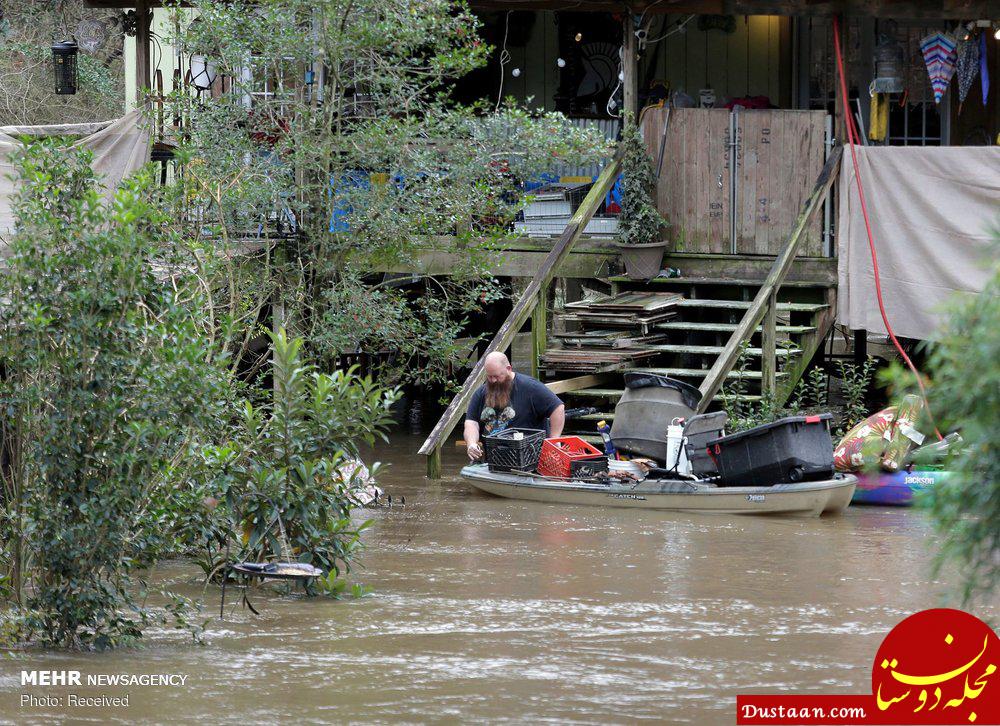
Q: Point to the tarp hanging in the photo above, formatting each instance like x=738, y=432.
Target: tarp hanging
x=933, y=212
x=120, y=148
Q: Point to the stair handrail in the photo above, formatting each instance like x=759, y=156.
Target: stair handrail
x=523, y=307
x=765, y=299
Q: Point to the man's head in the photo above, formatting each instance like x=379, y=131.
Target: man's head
x=499, y=380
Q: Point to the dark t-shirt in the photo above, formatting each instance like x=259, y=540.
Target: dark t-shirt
x=531, y=404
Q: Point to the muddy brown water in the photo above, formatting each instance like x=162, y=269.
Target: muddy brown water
x=486, y=609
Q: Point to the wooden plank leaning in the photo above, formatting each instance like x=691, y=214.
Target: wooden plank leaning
x=523, y=309
x=782, y=264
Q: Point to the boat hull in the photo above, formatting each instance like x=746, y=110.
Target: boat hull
x=803, y=499
x=895, y=490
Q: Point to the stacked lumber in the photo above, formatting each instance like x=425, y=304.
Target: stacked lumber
x=616, y=332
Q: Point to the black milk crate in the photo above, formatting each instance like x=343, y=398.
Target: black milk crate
x=588, y=468
x=504, y=453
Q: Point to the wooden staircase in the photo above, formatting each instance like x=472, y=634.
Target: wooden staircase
x=704, y=323
x=720, y=316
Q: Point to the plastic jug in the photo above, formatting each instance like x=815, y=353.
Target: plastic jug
x=676, y=454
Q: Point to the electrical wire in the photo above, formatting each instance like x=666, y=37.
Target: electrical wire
x=611, y=99
x=852, y=140
x=678, y=28
x=505, y=58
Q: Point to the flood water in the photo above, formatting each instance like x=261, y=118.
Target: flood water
x=506, y=611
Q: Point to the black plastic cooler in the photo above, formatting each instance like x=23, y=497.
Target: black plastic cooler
x=793, y=449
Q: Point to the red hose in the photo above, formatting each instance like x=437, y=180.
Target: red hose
x=853, y=138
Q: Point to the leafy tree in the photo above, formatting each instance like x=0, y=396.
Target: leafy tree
x=108, y=384
x=337, y=142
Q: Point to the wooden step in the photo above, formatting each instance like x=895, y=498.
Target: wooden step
x=741, y=305
x=610, y=416
x=736, y=282
x=697, y=372
x=608, y=394
x=730, y=327
x=597, y=393
x=717, y=350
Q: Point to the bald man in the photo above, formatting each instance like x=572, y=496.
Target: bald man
x=510, y=400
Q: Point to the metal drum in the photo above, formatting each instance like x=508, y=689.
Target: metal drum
x=647, y=407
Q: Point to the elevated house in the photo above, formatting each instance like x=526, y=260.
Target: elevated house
x=744, y=121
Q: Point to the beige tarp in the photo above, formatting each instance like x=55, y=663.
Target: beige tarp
x=120, y=147
x=933, y=211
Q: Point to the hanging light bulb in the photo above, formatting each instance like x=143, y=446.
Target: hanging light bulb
x=560, y=62
x=516, y=72
x=578, y=37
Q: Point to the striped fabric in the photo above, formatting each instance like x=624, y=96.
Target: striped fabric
x=939, y=56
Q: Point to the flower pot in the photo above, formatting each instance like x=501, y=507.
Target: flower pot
x=643, y=262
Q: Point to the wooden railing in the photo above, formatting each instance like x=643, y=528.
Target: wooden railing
x=530, y=304
x=764, y=306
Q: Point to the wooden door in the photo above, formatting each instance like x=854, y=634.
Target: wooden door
x=693, y=188
x=779, y=155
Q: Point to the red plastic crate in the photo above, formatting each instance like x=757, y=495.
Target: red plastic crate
x=558, y=455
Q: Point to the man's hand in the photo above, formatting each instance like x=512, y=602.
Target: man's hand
x=475, y=451
x=472, y=443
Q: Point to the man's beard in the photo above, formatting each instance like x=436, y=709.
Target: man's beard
x=498, y=394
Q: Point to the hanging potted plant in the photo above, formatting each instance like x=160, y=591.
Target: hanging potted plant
x=639, y=222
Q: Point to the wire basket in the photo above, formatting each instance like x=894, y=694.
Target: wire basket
x=505, y=453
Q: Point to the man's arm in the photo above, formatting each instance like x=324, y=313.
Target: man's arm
x=557, y=419
x=471, y=436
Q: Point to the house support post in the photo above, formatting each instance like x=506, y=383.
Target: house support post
x=630, y=68
x=539, y=323
x=768, y=346
x=434, y=463
x=839, y=110
x=143, y=76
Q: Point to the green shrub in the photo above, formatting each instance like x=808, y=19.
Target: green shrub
x=107, y=382
x=282, y=488
x=965, y=369
x=639, y=221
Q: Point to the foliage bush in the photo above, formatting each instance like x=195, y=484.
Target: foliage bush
x=811, y=394
x=639, y=221
x=965, y=369
x=108, y=383
x=281, y=491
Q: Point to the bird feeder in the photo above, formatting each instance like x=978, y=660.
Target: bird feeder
x=64, y=65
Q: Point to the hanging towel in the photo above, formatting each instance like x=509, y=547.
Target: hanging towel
x=984, y=72
x=967, y=67
x=939, y=54
x=879, y=117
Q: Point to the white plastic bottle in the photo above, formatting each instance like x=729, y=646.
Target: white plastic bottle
x=676, y=452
